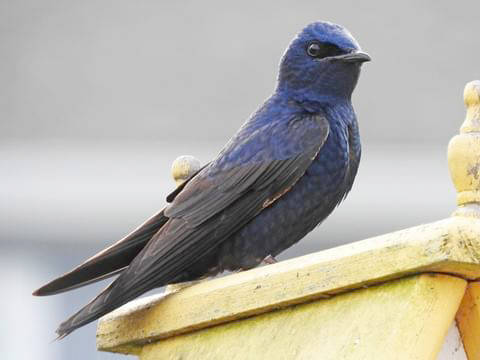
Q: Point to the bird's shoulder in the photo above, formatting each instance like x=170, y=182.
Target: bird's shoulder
x=266, y=153
x=277, y=131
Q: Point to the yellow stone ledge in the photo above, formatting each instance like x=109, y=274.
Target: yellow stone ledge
x=404, y=319
x=450, y=246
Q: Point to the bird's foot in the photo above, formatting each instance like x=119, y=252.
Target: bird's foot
x=173, y=288
x=269, y=260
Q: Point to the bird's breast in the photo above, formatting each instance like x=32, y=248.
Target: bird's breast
x=297, y=211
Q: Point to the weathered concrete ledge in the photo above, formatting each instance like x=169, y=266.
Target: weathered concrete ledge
x=450, y=246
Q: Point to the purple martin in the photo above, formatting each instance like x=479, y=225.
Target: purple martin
x=285, y=170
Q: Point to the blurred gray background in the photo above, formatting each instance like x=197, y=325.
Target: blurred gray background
x=98, y=97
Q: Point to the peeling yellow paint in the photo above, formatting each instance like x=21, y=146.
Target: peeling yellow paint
x=403, y=319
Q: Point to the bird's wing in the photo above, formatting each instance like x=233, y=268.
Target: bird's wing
x=107, y=262
x=216, y=203
x=111, y=260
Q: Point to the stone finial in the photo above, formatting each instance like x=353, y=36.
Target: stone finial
x=183, y=167
x=464, y=155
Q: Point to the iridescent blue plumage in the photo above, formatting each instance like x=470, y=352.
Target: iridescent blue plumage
x=305, y=86
x=325, y=183
x=282, y=174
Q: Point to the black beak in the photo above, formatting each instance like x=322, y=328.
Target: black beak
x=357, y=57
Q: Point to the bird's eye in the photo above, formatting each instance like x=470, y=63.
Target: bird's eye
x=313, y=49
x=321, y=50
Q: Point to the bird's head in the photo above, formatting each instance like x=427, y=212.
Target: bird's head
x=322, y=63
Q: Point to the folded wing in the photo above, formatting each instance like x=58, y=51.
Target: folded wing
x=217, y=202
x=112, y=260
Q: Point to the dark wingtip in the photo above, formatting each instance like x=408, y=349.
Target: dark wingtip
x=42, y=291
x=45, y=290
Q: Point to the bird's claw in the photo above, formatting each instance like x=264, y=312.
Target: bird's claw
x=269, y=260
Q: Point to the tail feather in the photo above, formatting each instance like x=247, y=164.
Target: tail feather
x=108, y=300
x=90, y=312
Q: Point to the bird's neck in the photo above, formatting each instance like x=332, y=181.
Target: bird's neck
x=313, y=101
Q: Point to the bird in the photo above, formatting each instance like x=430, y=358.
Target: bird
x=283, y=172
